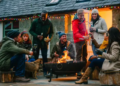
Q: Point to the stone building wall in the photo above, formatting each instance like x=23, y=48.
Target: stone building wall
x=25, y=26
x=58, y=25
x=116, y=18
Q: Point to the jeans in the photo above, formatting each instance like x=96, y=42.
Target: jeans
x=94, y=49
x=44, y=57
x=18, y=62
x=96, y=62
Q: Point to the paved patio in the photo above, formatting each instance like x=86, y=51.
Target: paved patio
x=60, y=81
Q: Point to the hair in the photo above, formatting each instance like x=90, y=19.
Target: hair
x=28, y=41
x=114, y=36
x=98, y=16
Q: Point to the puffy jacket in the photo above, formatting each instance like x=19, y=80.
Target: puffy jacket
x=79, y=30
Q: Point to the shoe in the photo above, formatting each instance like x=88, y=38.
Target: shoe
x=79, y=77
x=21, y=79
x=84, y=79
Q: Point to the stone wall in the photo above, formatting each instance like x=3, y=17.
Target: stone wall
x=58, y=25
x=25, y=26
x=116, y=18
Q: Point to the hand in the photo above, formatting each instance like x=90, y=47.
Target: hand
x=56, y=55
x=99, y=52
x=40, y=37
x=93, y=57
x=86, y=37
x=27, y=58
x=92, y=28
x=30, y=52
x=47, y=39
x=67, y=52
x=91, y=35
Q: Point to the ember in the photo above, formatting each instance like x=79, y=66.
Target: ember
x=64, y=58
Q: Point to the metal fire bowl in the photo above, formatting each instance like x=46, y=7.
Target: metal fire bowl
x=65, y=68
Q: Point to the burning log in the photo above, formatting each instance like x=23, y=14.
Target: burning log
x=64, y=58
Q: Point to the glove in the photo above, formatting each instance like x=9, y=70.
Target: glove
x=99, y=52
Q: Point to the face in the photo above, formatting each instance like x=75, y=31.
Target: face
x=25, y=37
x=81, y=16
x=63, y=38
x=94, y=15
x=18, y=38
x=44, y=16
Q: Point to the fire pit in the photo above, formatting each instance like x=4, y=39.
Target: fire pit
x=64, y=68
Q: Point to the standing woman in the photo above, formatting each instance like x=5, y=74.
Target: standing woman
x=98, y=28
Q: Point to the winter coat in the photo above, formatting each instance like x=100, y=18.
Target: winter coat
x=79, y=30
x=101, y=28
x=39, y=27
x=58, y=50
x=112, y=58
x=8, y=50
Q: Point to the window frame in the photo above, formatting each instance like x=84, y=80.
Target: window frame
x=79, y=1
x=4, y=30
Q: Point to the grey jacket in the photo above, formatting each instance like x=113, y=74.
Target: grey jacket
x=101, y=27
x=112, y=59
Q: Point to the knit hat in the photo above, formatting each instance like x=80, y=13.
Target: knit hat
x=79, y=11
x=24, y=32
x=13, y=33
x=60, y=34
x=95, y=11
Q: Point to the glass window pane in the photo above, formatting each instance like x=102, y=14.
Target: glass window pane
x=15, y=24
x=7, y=25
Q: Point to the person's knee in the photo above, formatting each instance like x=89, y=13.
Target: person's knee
x=22, y=56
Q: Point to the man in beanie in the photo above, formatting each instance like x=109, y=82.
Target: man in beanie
x=40, y=29
x=13, y=56
x=80, y=35
x=61, y=46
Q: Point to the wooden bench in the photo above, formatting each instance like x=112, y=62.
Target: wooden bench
x=7, y=76
x=110, y=78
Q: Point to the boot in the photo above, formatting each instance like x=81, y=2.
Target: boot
x=21, y=79
x=84, y=79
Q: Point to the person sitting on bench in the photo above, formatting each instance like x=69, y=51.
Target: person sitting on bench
x=11, y=56
x=94, y=60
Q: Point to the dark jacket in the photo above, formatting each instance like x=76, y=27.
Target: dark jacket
x=25, y=46
x=58, y=50
x=8, y=50
x=39, y=27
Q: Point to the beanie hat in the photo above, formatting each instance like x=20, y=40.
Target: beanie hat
x=95, y=11
x=79, y=11
x=24, y=32
x=60, y=34
x=13, y=33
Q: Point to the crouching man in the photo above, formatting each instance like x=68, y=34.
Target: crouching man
x=13, y=56
x=60, y=47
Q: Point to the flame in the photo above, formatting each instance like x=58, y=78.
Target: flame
x=64, y=58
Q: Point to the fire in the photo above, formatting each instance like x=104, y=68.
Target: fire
x=64, y=58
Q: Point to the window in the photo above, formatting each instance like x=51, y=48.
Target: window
x=53, y=2
x=82, y=1
x=10, y=25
